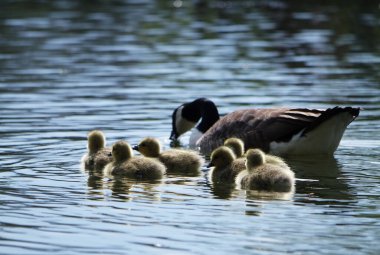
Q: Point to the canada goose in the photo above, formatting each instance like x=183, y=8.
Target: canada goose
x=180, y=160
x=125, y=164
x=278, y=131
x=222, y=160
x=98, y=155
x=237, y=146
x=260, y=175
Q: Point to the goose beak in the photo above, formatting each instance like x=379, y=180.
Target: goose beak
x=175, y=143
x=173, y=136
x=210, y=165
x=136, y=148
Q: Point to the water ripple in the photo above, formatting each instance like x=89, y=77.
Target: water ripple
x=69, y=67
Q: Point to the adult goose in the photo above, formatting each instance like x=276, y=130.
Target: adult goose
x=279, y=131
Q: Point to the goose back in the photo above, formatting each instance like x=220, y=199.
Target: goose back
x=269, y=129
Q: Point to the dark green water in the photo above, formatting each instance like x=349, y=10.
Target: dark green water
x=67, y=67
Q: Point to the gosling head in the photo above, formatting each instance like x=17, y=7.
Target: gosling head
x=255, y=158
x=96, y=141
x=236, y=144
x=222, y=157
x=121, y=151
x=149, y=147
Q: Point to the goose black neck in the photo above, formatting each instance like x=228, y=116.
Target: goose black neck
x=204, y=109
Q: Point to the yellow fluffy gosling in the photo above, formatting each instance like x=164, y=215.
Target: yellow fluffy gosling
x=237, y=146
x=125, y=164
x=224, y=166
x=98, y=155
x=175, y=160
x=261, y=175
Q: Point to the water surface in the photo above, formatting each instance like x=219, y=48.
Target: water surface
x=67, y=67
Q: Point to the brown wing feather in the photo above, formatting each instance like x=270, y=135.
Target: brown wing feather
x=259, y=127
x=279, y=126
x=252, y=126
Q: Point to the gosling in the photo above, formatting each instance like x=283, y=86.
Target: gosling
x=125, y=164
x=261, y=175
x=98, y=155
x=175, y=160
x=222, y=160
x=237, y=145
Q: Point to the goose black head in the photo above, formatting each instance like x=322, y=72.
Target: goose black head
x=186, y=116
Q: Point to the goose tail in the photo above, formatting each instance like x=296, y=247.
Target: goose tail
x=350, y=112
x=322, y=136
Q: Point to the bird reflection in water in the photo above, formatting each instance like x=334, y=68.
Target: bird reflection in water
x=320, y=180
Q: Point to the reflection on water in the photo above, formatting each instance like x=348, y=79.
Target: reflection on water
x=124, y=189
x=263, y=195
x=320, y=179
x=67, y=67
x=221, y=190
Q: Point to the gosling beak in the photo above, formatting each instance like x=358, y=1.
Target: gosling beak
x=210, y=165
x=136, y=148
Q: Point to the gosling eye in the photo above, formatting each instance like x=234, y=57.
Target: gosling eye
x=142, y=144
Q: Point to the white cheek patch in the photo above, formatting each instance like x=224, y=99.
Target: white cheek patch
x=182, y=125
x=194, y=138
